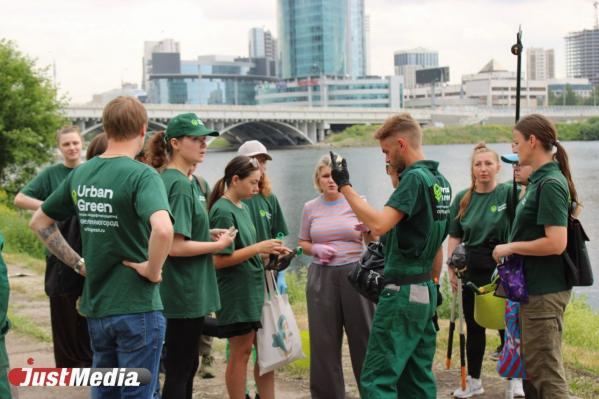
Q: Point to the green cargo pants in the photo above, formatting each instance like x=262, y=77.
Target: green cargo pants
x=402, y=345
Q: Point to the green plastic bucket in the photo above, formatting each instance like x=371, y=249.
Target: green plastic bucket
x=489, y=310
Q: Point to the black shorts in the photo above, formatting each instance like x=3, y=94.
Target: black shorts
x=212, y=329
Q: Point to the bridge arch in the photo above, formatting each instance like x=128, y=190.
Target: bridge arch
x=275, y=133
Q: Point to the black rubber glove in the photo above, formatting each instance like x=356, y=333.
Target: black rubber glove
x=439, y=296
x=339, y=171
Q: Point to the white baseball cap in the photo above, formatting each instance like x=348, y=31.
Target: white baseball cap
x=252, y=148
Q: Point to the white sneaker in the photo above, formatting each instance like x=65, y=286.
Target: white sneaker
x=474, y=387
x=517, y=388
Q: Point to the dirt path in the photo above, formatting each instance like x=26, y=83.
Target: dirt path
x=29, y=302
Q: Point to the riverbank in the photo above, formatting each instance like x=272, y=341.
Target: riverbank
x=361, y=135
x=30, y=337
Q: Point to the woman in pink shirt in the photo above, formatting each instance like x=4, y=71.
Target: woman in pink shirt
x=330, y=233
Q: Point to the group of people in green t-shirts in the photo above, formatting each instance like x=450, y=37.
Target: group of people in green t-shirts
x=162, y=253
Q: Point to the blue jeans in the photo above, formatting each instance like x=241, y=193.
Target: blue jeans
x=130, y=340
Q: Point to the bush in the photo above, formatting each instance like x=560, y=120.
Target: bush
x=18, y=238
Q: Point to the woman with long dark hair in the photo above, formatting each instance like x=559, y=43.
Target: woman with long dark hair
x=539, y=234
x=188, y=289
x=240, y=273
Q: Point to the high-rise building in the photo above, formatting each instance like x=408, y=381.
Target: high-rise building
x=210, y=79
x=540, y=63
x=367, y=70
x=407, y=62
x=321, y=37
x=582, y=55
x=159, y=57
x=262, y=44
x=356, y=41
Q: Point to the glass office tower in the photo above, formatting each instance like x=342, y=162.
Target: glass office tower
x=321, y=37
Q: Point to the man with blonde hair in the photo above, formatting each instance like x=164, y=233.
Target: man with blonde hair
x=126, y=232
x=402, y=342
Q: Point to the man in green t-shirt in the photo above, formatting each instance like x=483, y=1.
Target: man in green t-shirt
x=63, y=286
x=402, y=341
x=126, y=232
x=4, y=326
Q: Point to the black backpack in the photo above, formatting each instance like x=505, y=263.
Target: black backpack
x=578, y=265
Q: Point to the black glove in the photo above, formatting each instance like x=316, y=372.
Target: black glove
x=339, y=171
x=439, y=296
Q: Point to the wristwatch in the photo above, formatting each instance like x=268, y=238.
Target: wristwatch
x=79, y=265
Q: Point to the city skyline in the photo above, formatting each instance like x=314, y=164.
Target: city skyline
x=96, y=45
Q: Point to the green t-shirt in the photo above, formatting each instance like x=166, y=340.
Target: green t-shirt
x=543, y=274
x=485, y=224
x=486, y=219
x=267, y=216
x=413, y=243
x=4, y=294
x=203, y=189
x=114, y=199
x=188, y=288
x=46, y=182
x=241, y=286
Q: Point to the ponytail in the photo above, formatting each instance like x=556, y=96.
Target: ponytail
x=217, y=192
x=561, y=156
x=264, y=185
x=158, y=151
x=465, y=201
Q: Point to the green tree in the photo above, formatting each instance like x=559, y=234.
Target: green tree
x=29, y=118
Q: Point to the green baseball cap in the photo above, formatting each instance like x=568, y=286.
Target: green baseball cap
x=187, y=125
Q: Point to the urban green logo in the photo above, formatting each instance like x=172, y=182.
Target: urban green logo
x=197, y=122
x=265, y=214
x=86, y=199
x=74, y=196
x=493, y=208
x=438, y=191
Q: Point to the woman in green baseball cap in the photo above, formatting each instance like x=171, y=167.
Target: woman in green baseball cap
x=189, y=289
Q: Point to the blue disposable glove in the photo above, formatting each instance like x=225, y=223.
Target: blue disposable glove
x=281, y=283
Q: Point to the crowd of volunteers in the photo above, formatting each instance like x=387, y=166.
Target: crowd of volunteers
x=146, y=262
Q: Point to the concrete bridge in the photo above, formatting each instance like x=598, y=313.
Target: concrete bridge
x=276, y=126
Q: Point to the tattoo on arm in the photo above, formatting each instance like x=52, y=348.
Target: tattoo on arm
x=55, y=242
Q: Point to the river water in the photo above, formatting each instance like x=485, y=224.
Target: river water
x=291, y=172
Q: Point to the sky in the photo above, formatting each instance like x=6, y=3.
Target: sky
x=97, y=44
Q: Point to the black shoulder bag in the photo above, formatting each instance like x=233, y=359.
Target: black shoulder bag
x=578, y=265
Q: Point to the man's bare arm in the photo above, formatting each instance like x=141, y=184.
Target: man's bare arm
x=48, y=232
x=26, y=202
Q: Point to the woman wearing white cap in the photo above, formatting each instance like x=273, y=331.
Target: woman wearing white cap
x=264, y=207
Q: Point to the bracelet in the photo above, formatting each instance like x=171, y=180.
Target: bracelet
x=79, y=265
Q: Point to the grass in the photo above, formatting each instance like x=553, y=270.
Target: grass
x=580, y=347
x=34, y=264
x=219, y=143
x=361, y=135
x=25, y=326
x=18, y=238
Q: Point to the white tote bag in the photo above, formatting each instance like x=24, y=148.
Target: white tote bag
x=279, y=341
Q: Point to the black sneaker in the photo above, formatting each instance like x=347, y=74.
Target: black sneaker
x=495, y=355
